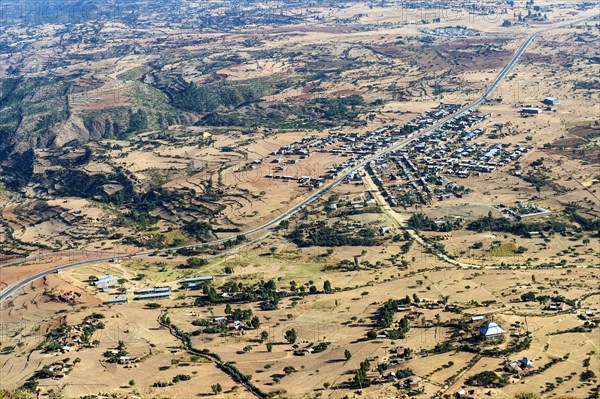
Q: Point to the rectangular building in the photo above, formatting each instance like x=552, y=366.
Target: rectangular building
x=118, y=300
x=104, y=280
x=154, y=295
x=531, y=110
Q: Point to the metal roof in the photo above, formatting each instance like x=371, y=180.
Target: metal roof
x=154, y=295
x=491, y=329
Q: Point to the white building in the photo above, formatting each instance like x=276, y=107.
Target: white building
x=531, y=110
x=552, y=101
x=492, y=331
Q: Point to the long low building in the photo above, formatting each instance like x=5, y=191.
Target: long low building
x=531, y=110
x=104, y=280
x=152, y=290
x=196, y=279
x=194, y=285
x=118, y=300
x=154, y=295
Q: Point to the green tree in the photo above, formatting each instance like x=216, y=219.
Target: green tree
x=487, y=379
x=586, y=362
x=284, y=225
x=196, y=262
x=291, y=336
x=138, y=121
x=361, y=380
x=403, y=325
x=588, y=375
x=56, y=393
x=347, y=355
x=264, y=335
x=217, y=388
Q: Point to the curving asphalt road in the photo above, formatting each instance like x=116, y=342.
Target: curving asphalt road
x=402, y=143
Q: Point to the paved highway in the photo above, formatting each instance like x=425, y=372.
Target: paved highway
x=273, y=223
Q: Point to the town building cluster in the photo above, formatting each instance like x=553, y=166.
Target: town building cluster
x=430, y=167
